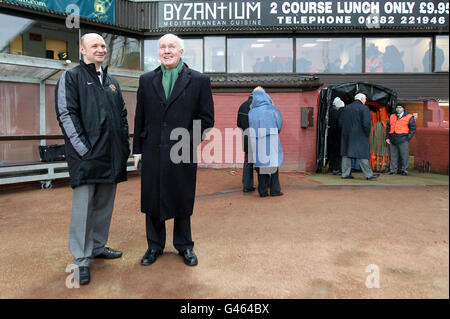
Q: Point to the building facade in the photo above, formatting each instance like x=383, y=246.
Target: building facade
x=291, y=48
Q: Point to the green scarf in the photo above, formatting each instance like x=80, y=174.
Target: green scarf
x=169, y=77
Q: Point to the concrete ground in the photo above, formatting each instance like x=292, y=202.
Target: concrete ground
x=325, y=238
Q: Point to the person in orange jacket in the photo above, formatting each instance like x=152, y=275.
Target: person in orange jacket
x=400, y=129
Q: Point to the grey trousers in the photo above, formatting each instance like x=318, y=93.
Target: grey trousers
x=401, y=150
x=347, y=166
x=92, y=208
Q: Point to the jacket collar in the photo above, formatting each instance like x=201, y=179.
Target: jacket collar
x=91, y=68
x=183, y=79
x=402, y=115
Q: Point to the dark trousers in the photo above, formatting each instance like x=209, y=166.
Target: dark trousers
x=156, y=233
x=268, y=182
x=247, y=174
x=334, y=157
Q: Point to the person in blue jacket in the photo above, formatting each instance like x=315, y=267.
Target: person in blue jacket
x=265, y=125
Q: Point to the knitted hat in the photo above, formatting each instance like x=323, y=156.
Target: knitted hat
x=338, y=102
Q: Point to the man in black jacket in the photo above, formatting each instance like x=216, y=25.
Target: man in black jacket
x=92, y=115
x=242, y=123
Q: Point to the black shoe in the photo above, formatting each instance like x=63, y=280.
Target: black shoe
x=277, y=194
x=84, y=275
x=404, y=173
x=337, y=173
x=247, y=190
x=150, y=257
x=348, y=177
x=375, y=176
x=109, y=253
x=263, y=195
x=391, y=173
x=189, y=256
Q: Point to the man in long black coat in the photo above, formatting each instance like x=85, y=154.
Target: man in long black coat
x=242, y=123
x=355, y=124
x=171, y=99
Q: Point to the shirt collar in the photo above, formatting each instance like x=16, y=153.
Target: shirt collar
x=100, y=75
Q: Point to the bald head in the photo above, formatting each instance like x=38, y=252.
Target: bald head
x=361, y=97
x=89, y=36
x=93, y=49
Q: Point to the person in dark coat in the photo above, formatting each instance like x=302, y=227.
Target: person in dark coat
x=242, y=123
x=91, y=113
x=334, y=137
x=171, y=99
x=400, y=129
x=355, y=122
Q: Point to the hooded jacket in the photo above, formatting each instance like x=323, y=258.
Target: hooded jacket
x=265, y=125
x=93, y=119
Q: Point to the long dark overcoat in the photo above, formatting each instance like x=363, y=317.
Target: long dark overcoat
x=168, y=188
x=355, y=130
x=242, y=122
x=334, y=131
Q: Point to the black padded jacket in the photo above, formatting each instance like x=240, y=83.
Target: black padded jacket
x=93, y=119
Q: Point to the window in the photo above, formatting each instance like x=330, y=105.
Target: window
x=37, y=39
x=214, y=54
x=193, y=53
x=192, y=56
x=122, y=52
x=441, y=54
x=271, y=55
x=398, y=55
x=19, y=115
x=328, y=55
x=151, y=55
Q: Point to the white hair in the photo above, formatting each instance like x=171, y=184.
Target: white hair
x=259, y=88
x=360, y=96
x=177, y=39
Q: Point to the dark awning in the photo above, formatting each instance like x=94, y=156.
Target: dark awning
x=20, y=68
x=347, y=91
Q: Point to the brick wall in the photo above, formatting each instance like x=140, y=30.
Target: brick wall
x=299, y=144
x=431, y=151
x=429, y=114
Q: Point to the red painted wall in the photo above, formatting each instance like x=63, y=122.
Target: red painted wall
x=299, y=144
x=432, y=150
